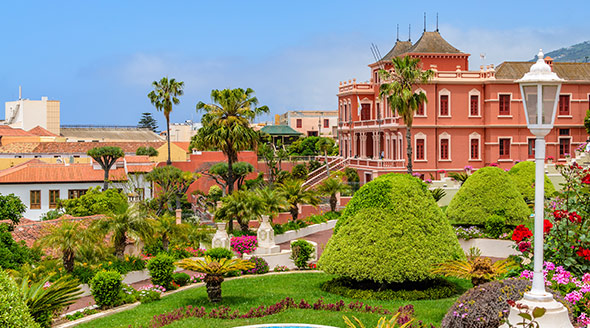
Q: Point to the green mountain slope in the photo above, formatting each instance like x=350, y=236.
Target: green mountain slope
x=577, y=53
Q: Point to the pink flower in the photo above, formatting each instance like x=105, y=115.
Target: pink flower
x=586, y=278
x=573, y=297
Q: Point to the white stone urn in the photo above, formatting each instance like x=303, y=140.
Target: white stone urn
x=220, y=239
x=266, y=238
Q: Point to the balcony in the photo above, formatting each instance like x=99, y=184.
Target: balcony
x=376, y=163
x=388, y=122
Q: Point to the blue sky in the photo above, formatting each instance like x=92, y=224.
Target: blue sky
x=99, y=58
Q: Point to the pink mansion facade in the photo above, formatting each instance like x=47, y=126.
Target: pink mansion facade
x=473, y=118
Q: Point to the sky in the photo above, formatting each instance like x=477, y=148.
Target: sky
x=99, y=58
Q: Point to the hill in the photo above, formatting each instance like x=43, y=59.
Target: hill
x=577, y=53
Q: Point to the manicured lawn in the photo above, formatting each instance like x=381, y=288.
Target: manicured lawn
x=254, y=291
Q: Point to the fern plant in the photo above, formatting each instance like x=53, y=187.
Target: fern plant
x=214, y=271
x=477, y=268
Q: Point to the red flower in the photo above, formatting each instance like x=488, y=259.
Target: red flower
x=559, y=214
x=521, y=232
x=524, y=247
x=575, y=217
x=586, y=179
x=547, y=225
x=584, y=252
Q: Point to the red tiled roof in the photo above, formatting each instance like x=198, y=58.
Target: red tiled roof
x=140, y=168
x=72, y=147
x=182, y=144
x=137, y=159
x=6, y=130
x=36, y=171
x=39, y=131
x=29, y=231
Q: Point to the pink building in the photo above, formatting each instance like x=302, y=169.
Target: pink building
x=471, y=118
x=322, y=123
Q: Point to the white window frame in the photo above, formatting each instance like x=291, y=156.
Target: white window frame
x=368, y=101
x=474, y=92
x=442, y=136
x=425, y=108
x=417, y=137
x=444, y=92
x=475, y=136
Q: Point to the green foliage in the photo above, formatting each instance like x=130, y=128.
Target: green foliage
x=43, y=300
x=300, y=172
x=14, y=312
x=147, y=121
x=181, y=278
x=352, y=178
x=219, y=253
x=301, y=252
x=330, y=187
x=438, y=193
x=587, y=121
x=495, y=226
x=11, y=208
x=12, y=254
x=488, y=191
x=106, y=157
x=215, y=193
x=367, y=290
x=146, y=151
x=95, y=202
x=219, y=172
x=296, y=194
x=172, y=185
x=260, y=266
x=313, y=146
x=241, y=205
x=52, y=215
x=291, y=225
x=273, y=157
x=460, y=177
x=313, y=165
x=165, y=94
x=391, y=231
x=106, y=288
x=523, y=175
x=161, y=269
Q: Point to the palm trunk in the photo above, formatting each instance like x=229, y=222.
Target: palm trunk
x=243, y=225
x=213, y=283
x=68, y=260
x=327, y=166
x=294, y=212
x=230, y=186
x=106, y=180
x=119, y=241
x=409, y=148
x=168, y=162
x=165, y=242
x=333, y=202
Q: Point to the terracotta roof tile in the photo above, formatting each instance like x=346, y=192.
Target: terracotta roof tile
x=36, y=171
x=6, y=130
x=182, y=144
x=433, y=42
x=72, y=147
x=567, y=71
x=30, y=231
x=39, y=131
x=140, y=168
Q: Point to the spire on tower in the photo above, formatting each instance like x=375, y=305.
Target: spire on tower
x=397, y=37
x=424, y=21
x=437, y=22
x=409, y=32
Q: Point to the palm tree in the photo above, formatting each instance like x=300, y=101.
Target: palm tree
x=133, y=222
x=272, y=201
x=67, y=237
x=244, y=205
x=400, y=93
x=226, y=127
x=214, y=271
x=295, y=194
x=332, y=186
x=167, y=229
x=164, y=95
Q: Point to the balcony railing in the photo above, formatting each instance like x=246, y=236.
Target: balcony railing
x=376, y=163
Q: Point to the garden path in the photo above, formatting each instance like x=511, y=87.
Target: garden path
x=321, y=238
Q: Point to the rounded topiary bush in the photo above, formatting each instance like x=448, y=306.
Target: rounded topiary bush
x=488, y=191
x=106, y=288
x=485, y=306
x=523, y=175
x=14, y=312
x=392, y=231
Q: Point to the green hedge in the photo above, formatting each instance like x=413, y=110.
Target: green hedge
x=106, y=288
x=488, y=191
x=161, y=269
x=523, y=175
x=391, y=231
x=14, y=312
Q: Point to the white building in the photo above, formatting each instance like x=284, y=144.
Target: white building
x=27, y=114
x=183, y=132
x=40, y=185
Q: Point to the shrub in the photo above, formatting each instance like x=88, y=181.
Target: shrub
x=313, y=165
x=260, y=266
x=14, y=313
x=301, y=253
x=368, y=290
x=12, y=254
x=161, y=269
x=128, y=294
x=485, y=306
x=244, y=244
x=523, y=175
x=391, y=231
x=181, y=278
x=300, y=172
x=219, y=253
x=495, y=225
x=488, y=191
x=95, y=201
x=281, y=268
x=84, y=273
x=106, y=288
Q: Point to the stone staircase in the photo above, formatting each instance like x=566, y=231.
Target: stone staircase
x=316, y=177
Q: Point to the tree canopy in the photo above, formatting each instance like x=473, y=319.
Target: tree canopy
x=173, y=183
x=149, y=151
x=11, y=208
x=219, y=172
x=95, y=202
x=147, y=121
x=106, y=157
x=163, y=97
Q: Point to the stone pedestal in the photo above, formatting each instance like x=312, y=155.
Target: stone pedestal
x=220, y=239
x=178, y=216
x=555, y=317
x=266, y=238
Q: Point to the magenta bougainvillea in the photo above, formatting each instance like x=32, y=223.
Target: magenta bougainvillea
x=244, y=244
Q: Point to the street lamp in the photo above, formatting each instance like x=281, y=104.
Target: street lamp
x=540, y=91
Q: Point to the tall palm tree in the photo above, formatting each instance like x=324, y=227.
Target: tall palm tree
x=272, y=201
x=226, y=127
x=296, y=194
x=400, y=93
x=133, y=222
x=67, y=237
x=165, y=94
x=331, y=187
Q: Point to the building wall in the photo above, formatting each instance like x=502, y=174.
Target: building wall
x=177, y=154
x=53, y=116
x=32, y=113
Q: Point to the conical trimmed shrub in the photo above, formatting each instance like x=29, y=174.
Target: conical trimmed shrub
x=393, y=232
x=523, y=175
x=14, y=312
x=489, y=191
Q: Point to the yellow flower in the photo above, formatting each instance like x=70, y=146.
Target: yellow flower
x=110, y=262
x=84, y=264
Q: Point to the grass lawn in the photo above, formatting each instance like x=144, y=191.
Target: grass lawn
x=253, y=291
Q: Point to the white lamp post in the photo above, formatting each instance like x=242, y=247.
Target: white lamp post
x=540, y=91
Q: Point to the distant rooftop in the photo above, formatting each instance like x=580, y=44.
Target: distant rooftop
x=280, y=130
x=567, y=71
x=108, y=133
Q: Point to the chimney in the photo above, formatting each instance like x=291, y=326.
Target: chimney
x=549, y=61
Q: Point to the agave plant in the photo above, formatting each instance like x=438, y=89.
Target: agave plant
x=460, y=177
x=438, y=193
x=382, y=323
x=477, y=268
x=44, y=298
x=214, y=270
